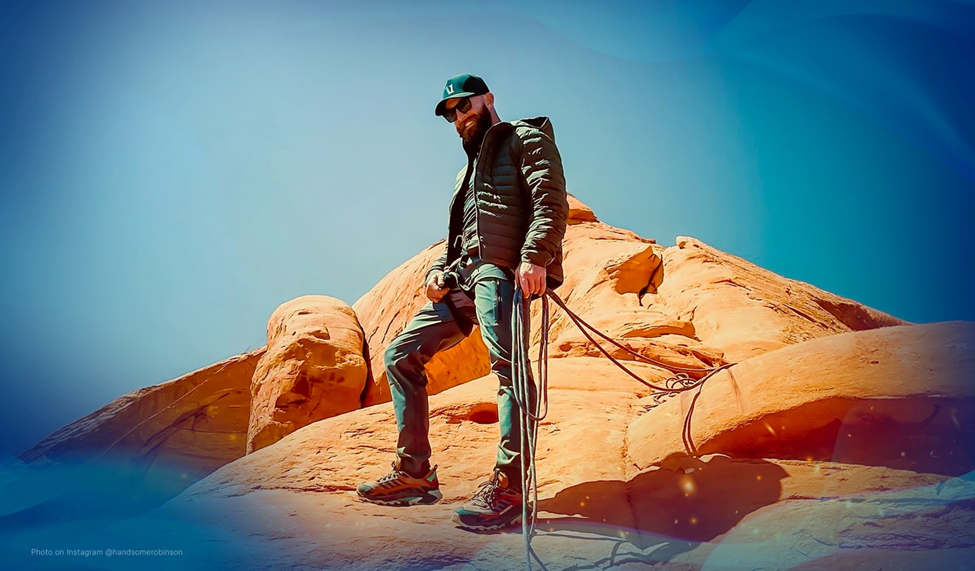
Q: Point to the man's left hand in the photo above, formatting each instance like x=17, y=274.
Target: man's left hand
x=531, y=279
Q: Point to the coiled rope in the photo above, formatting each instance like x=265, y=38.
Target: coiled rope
x=532, y=413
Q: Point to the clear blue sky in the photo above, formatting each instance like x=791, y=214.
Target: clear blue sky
x=173, y=171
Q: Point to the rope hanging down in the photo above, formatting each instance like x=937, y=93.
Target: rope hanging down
x=533, y=411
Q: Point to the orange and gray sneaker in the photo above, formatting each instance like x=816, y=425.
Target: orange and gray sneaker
x=495, y=505
x=400, y=488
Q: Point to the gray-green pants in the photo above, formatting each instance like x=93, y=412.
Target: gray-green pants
x=434, y=329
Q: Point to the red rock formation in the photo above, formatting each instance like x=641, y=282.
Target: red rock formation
x=688, y=305
x=613, y=488
x=834, y=442
x=900, y=397
x=313, y=368
x=197, y=422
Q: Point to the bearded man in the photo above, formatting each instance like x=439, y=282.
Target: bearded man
x=506, y=224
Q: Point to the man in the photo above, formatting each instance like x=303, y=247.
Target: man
x=507, y=219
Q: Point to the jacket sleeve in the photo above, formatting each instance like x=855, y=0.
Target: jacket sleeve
x=438, y=265
x=541, y=166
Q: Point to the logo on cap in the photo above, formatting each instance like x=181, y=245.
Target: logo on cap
x=463, y=85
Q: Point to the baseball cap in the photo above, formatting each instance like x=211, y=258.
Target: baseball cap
x=463, y=85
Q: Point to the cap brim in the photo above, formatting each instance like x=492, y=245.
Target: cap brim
x=442, y=106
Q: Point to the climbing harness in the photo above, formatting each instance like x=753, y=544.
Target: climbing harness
x=532, y=413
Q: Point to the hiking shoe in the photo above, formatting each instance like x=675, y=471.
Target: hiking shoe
x=495, y=505
x=399, y=488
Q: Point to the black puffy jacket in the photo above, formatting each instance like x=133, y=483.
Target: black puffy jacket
x=519, y=190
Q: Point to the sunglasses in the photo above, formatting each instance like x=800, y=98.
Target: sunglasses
x=463, y=106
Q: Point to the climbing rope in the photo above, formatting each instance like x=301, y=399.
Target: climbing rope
x=532, y=413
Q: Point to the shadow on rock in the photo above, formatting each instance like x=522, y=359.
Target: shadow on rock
x=684, y=502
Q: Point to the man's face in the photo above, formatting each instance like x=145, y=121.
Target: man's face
x=472, y=124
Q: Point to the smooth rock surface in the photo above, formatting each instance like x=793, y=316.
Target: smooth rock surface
x=901, y=397
x=313, y=368
x=197, y=421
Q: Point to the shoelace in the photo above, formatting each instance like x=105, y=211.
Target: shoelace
x=486, y=493
x=391, y=476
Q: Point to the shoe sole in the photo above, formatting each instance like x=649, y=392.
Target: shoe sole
x=498, y=527
x=432, y=497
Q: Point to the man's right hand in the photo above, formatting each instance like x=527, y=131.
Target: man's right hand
x=435, y=287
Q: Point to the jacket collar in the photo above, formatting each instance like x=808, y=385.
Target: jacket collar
x=493, y=130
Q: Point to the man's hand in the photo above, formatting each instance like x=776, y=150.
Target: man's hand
x=435, y=287
x=531, y=278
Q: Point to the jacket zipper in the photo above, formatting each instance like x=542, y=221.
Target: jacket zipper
x=477, y=209
x=473, y=189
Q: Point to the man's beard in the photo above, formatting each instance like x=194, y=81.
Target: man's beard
x=473, y=134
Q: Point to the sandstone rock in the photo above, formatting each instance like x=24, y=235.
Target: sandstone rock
x=313, y=368
x=604, y=270
x=350, y=448
x=196, y=423
x=899, y=397
x=914, y=527
x=688, y=305
x=294, y=501
x=699, y=307
x=745, y=310
x=312, y=474
x=833, y=444
x=579, y=212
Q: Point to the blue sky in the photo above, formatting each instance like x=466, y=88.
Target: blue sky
x=170, y=172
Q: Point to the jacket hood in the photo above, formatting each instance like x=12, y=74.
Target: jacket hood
x=541, y=123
